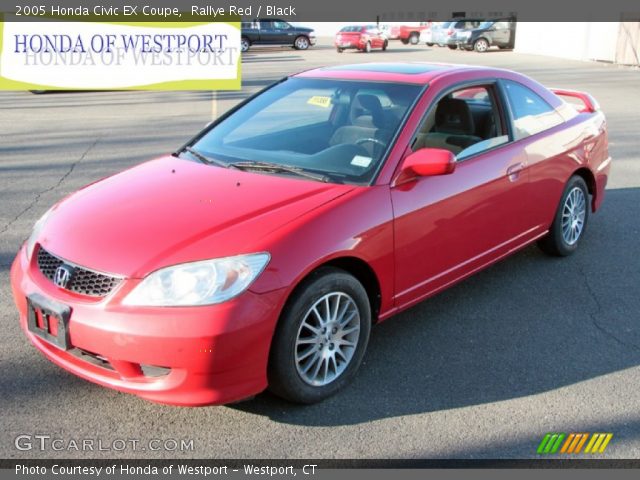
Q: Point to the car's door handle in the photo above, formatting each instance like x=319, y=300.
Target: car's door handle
x=513, y=172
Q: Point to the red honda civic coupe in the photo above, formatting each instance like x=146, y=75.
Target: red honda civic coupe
x=261, y=253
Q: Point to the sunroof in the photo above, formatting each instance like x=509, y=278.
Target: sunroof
x=405, y=68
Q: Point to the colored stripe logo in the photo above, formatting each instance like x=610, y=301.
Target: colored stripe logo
x=573, y=443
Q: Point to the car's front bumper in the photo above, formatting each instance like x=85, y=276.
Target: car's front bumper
x=176, y=355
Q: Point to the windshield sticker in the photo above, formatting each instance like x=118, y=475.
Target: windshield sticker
x=320, y=101
x=360, y=161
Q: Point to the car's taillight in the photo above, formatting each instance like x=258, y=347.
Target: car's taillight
x=450, y=32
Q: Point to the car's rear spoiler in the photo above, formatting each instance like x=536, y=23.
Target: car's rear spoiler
x=590, y=104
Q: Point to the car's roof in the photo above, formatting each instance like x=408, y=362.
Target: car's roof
x=415, y=72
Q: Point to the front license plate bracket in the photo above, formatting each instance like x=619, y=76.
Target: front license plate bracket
x=48, y=309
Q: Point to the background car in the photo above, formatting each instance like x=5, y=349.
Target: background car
x=410, y=34
x=426, y=36
x=272, y=31
x=498, y=33
x=444, y=33
x=360, y=37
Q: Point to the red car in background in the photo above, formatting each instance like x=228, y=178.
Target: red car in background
x=360, y=37
x=410, y=34
x=262, y=252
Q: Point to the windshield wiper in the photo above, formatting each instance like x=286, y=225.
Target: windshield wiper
x=276, y=167
x=205, y=159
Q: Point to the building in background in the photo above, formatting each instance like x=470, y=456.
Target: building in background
x=615, y=42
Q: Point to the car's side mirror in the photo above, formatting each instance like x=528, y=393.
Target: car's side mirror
x=427, y=162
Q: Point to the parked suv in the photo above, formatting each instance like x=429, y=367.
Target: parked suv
x=270, y=31
x=499, y=33
x=443, y=35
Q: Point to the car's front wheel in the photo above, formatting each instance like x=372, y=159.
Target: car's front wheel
x=414, y=39
x=570, y=221
x=321, y=337
x=301, y=43
x=385, y=45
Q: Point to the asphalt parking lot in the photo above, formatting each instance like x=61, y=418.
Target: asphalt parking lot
x=533, y=344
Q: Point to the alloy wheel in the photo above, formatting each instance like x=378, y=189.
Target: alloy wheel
x=327, y=339
x=574, y=211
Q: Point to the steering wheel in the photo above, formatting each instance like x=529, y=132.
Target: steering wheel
x=372, y=140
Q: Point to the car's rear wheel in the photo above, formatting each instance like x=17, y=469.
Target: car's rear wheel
x=245, y=44
x=453, y=47
x=570, y=220
x=405, y=41
x=339, y=50
x=301, y=43
x=481, y=45
x=385, y=45
x=321, y=337
x=430, y=44
x=367, y=48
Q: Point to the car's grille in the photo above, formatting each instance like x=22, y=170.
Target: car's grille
x=83, y=281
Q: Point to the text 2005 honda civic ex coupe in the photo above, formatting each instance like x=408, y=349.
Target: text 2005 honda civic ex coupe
x=261, y=253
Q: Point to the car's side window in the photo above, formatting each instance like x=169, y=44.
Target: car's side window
x=466, y=121
x=531, y=113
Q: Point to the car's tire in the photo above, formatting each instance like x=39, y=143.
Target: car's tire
x=245, y=44
x=452, y=47
x=385, y=45
x=414, y=38
x=367, y=48
x=481, y=45
x=301, y=43
x=570, y=221
x=405, y=41
x=339, y=50
x=306, y=363
x=430, y=44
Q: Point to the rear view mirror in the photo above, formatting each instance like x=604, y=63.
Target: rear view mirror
x=428, y=162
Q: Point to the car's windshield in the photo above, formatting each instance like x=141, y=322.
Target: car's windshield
x=353, y=28
x=485, y=25
x=338, y=128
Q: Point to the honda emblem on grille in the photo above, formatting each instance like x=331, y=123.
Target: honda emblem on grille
x=62, y=277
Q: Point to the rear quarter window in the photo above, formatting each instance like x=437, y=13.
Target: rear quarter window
x=531, y=113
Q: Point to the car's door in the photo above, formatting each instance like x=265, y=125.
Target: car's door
x=372, y=33
x=267, y=33
x=501, y=34
x=284, y=33
x=448, y=226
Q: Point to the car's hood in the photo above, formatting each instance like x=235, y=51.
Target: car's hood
x=170, y=211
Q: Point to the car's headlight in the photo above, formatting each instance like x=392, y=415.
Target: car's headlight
x=35, y=233
x=198, y=283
